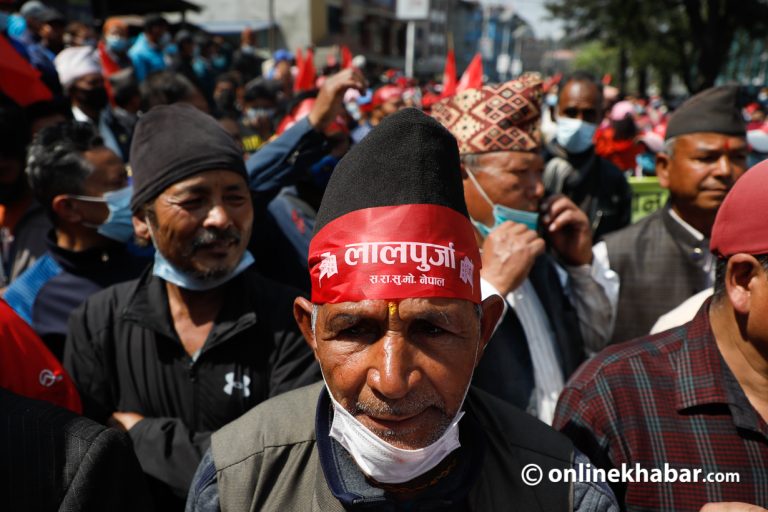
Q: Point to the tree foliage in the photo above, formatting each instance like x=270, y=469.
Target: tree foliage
x=596, y=58
x=691, y=38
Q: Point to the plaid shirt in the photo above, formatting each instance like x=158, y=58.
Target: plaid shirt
x=668, y=398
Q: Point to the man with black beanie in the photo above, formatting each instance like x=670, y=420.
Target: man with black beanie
x=200, y=337
x=664, y=259
x=398, y=326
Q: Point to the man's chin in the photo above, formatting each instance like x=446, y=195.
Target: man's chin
x=409, y=434
x=210, y=272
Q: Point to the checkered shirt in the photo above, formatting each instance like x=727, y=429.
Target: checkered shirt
x=668, y=398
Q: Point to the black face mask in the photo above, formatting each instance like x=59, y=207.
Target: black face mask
x=95, y=98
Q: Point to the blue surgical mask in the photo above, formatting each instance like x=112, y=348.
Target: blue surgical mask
x=219, y=61
x=118, y=225
x=255, y=114
x=117, y=44
x=167, y=271
x=501, y=213
x=164, y=269
x=551, y=100
x=647, y=163
x=574, y=135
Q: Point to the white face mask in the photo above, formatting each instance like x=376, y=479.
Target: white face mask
x=380, y=460
x=386, y=463
x=575, y=135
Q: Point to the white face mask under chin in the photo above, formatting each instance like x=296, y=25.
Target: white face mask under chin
x=386, y=463
x=382, y=461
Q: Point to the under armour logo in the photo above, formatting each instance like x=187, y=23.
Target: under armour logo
x=48, y=378
x=233, y=384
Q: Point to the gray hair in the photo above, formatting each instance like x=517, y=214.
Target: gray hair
x=669, y=147
x=56, y=163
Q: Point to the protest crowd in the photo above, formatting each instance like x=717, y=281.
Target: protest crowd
x=238, y=283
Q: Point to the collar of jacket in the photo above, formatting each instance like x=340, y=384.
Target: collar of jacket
x=149, y=308
x=99, y=264
x=695, y=251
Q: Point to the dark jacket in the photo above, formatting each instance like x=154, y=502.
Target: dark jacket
x=124, y=355
x=659, y=264
x=47, y=293
x=597, y=186
x=53, y=460
x=506, y=369
x=268, y=460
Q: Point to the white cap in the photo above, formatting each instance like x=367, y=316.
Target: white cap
x=75, y=62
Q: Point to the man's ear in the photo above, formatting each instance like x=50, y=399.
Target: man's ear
x=663, y=163
x=740, y=275
x=141, y=228
x=64, y=208
x=493, y=308
x=302, y=312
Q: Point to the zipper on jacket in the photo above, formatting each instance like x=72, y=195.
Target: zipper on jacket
x=192, y=369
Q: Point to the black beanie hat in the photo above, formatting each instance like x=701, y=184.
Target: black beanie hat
x=174, y=142
x=409, y=158
x=715, y=110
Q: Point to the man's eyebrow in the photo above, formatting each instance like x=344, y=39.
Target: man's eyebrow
x=193, y=189
x=342, y=319
x=434, y=317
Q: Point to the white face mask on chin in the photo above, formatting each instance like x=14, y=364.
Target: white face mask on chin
x=380, y=460
x=386, y=463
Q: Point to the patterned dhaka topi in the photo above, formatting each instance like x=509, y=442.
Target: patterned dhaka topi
x=496, y=117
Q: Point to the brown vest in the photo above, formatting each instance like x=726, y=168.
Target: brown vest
x=659, y=265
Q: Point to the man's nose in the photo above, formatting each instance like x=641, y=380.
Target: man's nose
x=218, y=217
x=393, y=374
x=723, y=166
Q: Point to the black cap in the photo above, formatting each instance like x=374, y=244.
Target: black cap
x=714, y=110
x=409, y=158
x=172, y=143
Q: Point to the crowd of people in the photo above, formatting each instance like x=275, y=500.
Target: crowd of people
x=231, y=281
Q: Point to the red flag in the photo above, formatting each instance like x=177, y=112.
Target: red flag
x=607, y=79
x=299, y=59
x=551, y=81
x=305, y=79
x=19, y=80
x=473, y=75
x=449, y=75
x=346, y=57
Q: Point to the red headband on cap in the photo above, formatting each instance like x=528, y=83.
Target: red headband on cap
x=395, y=252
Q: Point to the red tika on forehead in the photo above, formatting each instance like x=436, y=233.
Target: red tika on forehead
x=395, y=252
